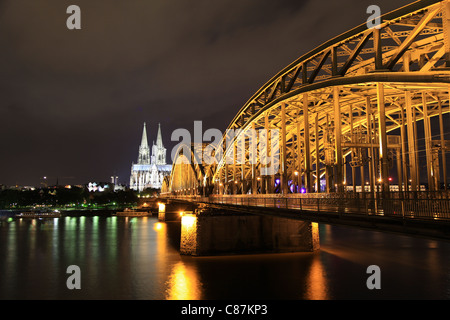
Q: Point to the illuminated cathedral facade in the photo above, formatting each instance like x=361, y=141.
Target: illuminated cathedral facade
x=150, y=171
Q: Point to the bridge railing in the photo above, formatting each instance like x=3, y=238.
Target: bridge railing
x=335, y=195
x=419, y=206
x=402, y=207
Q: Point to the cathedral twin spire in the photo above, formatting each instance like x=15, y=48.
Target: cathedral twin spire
x=150, y=171
x=144, y=150
x=158, y=150
x=159, y=137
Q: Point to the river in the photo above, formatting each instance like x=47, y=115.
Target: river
x=138, y=258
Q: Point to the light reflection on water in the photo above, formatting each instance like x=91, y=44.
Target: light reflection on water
x=183, y=283
x=138, y=258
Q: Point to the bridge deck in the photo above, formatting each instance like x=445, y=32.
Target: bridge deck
x=422, y=217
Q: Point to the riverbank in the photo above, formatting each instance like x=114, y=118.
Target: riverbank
x=6, y=214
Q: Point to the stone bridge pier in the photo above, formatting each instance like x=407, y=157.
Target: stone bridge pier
x=208, y=231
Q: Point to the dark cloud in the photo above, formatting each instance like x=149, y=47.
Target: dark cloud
x=73, y=102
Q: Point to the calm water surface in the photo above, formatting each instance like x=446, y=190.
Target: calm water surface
x=138, y=258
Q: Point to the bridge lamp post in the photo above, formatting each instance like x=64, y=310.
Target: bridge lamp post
x=379, y=186
x=258, y=184
x=296, y=181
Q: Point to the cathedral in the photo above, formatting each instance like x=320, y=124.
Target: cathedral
x=150, y=171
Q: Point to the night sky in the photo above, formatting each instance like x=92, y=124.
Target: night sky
x=73, y=102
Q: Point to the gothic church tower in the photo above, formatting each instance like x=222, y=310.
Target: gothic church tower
x=149, y=172
x=144, y=150
x=158, y=150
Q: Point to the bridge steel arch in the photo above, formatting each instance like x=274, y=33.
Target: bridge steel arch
x=188, y=177
x=347, y=113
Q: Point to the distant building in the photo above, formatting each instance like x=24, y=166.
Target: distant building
x=98, y=187
x=150, y=171
x=116, y=185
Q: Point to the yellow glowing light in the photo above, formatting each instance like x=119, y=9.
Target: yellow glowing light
x=162, y=207
x=158, y=226
x=183, y=283
x=296, y=173
x=188, y=221
x=181, y=213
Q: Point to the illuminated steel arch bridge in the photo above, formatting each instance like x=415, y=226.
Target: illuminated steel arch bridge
x=352, y=116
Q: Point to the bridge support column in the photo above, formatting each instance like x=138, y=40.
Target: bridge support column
x=338, y=141
x=316, y=132
x=328, y=157
x=411, y=141
x=235, y=182
x=222, y=233
x=427, y=132
x=219, y=182
x=441, y=131
x=371, y=151
x=307, y=149
x=253, y=157
x=283, y=168
x=299, y=155
x=269, y=165
x=383, y=138
x=399, y=168
x=403, y=152
x=416, y=143
x=353, y=150
x=226, y=183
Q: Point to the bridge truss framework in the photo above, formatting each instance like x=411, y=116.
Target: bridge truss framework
x=353, y=114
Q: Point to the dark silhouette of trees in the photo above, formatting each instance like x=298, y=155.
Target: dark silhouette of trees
x=62, y=196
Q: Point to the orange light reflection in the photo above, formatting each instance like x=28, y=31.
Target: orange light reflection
x=317, y=282
x=183, y=283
